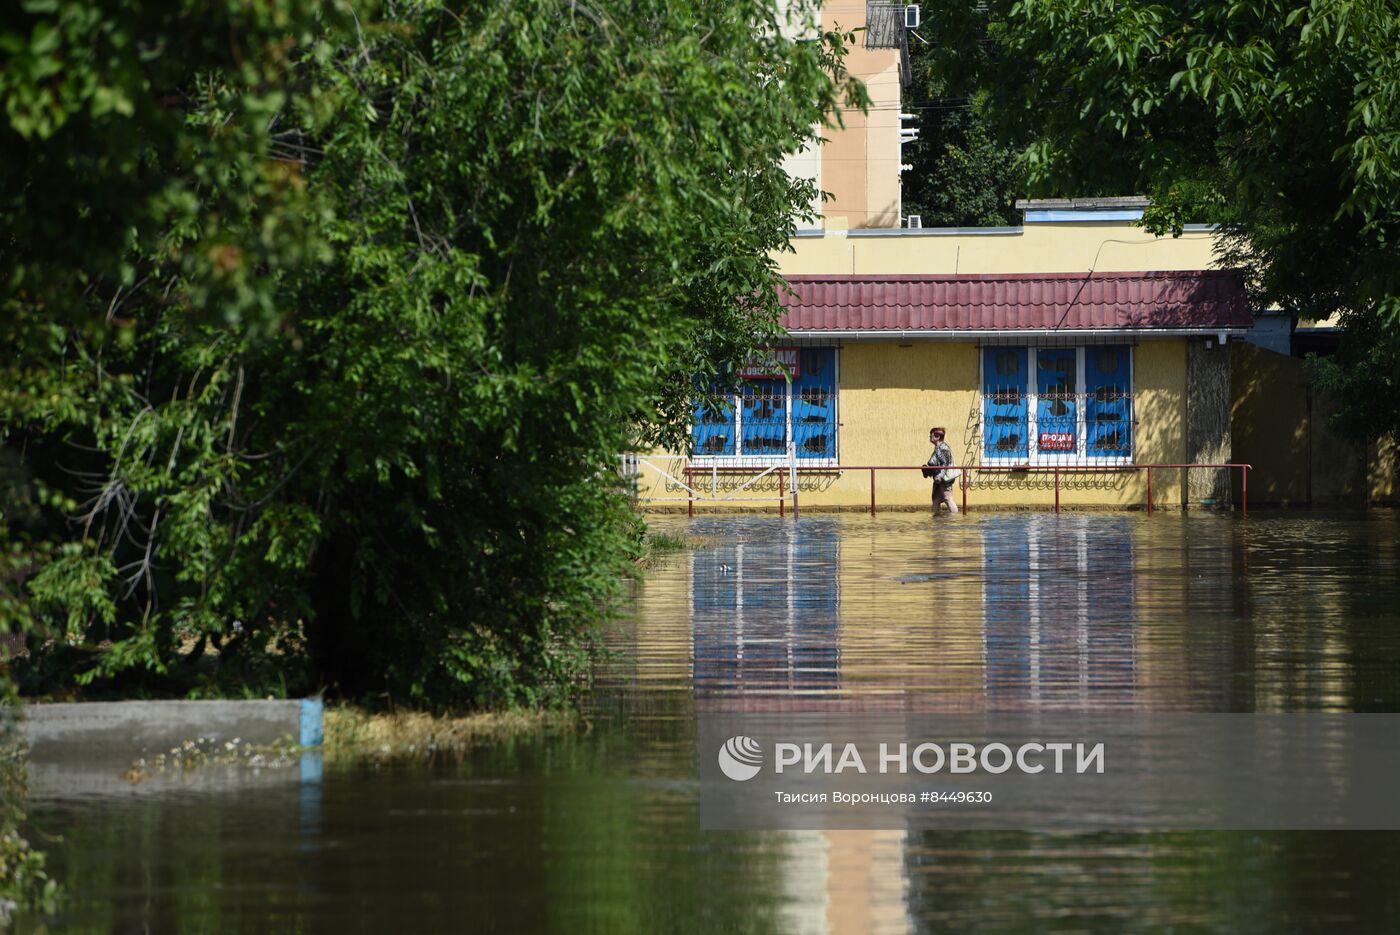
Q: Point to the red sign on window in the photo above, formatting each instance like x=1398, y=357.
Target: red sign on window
x=786, y=356
x=1056, y=441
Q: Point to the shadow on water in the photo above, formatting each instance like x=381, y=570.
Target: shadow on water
x=598, y=831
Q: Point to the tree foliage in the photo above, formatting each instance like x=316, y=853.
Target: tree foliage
x=24, y=881
x=960, y=174
x=334, y=396
x=1280, y=120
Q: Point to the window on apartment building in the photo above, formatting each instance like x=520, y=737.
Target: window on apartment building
x=1057, y=404
x=769, y=412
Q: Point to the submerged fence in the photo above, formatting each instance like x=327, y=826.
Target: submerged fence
x=701, y=483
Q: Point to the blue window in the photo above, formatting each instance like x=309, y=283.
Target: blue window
x=763, y=411
x=814, y=404
x=1005, y=422
x=768, y=413
x=1056, y=409
x=1057, y=404
x=713, y=430
x=1107, y=410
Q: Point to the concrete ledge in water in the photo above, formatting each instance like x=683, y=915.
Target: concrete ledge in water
x=121, y=731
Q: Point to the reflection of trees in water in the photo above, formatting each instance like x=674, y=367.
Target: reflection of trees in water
x=585, y=850
x=1200, y=880
x=1315, y=611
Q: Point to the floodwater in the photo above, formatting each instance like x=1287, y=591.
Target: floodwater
x=598, y=832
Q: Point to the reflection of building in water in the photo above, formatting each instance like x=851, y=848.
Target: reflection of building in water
x=911, y=614
x=764, y=612
x=846, y=881
x=1219, y=635
x=1058, y=594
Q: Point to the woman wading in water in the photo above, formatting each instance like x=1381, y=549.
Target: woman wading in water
x=941, y=458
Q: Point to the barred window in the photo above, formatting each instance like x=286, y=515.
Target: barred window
x=1057, y=404
x=769, y=413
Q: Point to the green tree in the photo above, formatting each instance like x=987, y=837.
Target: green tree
x=350, y=415
x=138, y=163
x=960, y=175
x=1276, y=119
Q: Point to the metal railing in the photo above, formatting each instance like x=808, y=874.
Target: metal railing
x=789, y=473
x=1057, y=470
x=634, y=465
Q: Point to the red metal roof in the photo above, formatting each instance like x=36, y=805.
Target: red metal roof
x=1206, y=299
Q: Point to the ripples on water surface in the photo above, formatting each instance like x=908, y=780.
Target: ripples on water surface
x=598, y=832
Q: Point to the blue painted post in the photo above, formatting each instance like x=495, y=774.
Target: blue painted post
x=312, y=713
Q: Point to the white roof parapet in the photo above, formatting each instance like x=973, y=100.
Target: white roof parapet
x=1083, y=204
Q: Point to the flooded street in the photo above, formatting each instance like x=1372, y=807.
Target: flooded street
x=598, y=831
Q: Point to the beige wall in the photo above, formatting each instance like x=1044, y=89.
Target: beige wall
x=860, y=161
x=1159, y=406
x=891, y=395
x=1106, y=246
x=1279, y=425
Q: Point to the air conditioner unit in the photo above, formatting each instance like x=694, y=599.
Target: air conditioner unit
x=911, y=17
x=915, y=220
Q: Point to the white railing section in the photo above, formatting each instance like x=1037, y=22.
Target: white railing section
x=701, y=483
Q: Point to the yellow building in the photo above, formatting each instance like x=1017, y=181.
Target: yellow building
x=1066, y=358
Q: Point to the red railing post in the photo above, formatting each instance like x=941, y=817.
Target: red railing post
x=1244, y=491
x=872, y=491
x=1149, y=490
x=964, y=489
x=1057, y=489
x=689, y=493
